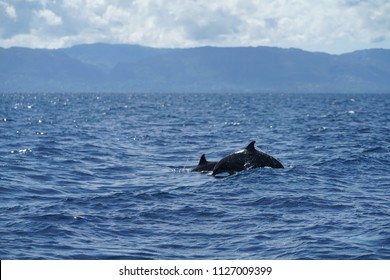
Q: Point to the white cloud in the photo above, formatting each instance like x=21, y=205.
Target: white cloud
x=332, y=25
x=49, y=17
x=9, y=9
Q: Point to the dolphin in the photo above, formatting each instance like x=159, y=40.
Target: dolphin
x=245, y=159
x=204, y=165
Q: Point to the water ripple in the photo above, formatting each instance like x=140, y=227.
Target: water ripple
x=107, y=176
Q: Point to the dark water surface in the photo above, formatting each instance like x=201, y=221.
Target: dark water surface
x=106, y=176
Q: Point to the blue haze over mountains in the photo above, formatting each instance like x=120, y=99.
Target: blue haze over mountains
x=133, y=68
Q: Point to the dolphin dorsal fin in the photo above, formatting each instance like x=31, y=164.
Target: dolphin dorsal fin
x=251, y=146
x=202, y=160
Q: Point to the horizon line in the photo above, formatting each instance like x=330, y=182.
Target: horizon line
x=195, y=47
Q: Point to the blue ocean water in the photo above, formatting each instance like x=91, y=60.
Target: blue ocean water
x=107, y=176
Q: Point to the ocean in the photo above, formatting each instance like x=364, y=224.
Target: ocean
x=108, y=176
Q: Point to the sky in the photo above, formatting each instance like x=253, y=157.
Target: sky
x=332, y=26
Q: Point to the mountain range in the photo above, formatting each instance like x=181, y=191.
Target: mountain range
x=132, y=68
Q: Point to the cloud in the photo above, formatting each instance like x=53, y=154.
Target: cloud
x=331, y=25
x=9, y=9
x=49, y=17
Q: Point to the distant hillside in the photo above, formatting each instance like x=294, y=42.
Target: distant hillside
x=130, y=68
x=107, y=56
x=30, y=70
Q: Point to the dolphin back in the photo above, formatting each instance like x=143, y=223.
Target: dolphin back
x=204, y=165
x=247, y=159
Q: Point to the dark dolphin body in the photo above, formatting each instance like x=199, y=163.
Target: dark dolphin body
x=245, y=159
x=204, y=165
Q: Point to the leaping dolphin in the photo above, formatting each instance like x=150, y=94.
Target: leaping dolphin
x=204, y=165
x=245, y=159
